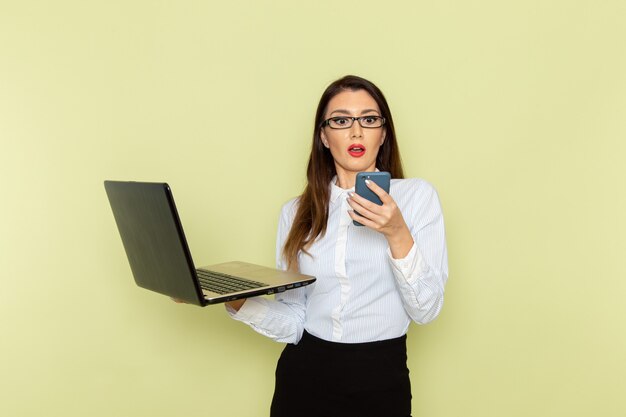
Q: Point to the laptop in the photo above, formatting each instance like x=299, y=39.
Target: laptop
x=160, y=260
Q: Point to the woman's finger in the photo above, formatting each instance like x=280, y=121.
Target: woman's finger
x=364, y=202
x=363, y=206
x=375, y=219
x=382, y=194
x=363, y=220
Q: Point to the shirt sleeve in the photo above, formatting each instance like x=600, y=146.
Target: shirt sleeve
x=281, y=319
x=422, y=274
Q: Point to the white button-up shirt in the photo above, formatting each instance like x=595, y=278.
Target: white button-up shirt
x=361, y=294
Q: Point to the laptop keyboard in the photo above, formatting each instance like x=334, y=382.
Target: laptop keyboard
x=224, y=283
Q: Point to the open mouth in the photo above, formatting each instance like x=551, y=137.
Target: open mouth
x=356, y=150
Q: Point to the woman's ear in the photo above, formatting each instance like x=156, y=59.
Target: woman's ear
x=323, y=138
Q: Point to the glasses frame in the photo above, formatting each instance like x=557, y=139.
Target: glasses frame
x=359, y=119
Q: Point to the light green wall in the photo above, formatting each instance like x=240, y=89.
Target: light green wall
x=514, y=110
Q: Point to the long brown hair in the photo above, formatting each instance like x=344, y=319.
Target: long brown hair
x=312, y=214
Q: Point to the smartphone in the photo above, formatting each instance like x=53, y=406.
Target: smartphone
x=382, y=179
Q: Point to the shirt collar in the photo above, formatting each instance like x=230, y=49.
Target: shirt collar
x=336, y=191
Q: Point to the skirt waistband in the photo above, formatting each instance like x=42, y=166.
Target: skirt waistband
x=309, y=339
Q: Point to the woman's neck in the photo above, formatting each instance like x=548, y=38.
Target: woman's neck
x=346, y=179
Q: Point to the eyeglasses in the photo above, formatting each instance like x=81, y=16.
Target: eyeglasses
x=346, y=122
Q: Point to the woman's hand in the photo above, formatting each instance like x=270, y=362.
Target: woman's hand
x=236, y=305
x=386, y=219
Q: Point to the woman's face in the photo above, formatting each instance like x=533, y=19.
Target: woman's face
x=354, y=149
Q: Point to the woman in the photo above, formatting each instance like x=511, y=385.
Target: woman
x=346, y=334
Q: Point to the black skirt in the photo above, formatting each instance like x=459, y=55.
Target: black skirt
x=326, y=379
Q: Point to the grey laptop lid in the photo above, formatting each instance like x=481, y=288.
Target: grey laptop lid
x=157, y=251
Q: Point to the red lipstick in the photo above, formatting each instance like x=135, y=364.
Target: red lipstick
x=357, y=150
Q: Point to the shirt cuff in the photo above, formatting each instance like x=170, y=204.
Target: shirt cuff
x=403, y=262
x=406, y=267
x=253, y=310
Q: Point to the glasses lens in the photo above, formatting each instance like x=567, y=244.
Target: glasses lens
x=371, y=121
x=340, y=122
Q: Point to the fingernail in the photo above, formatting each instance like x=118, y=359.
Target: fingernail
x=367, y=182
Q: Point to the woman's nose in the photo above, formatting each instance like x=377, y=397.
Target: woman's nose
x=356, y=131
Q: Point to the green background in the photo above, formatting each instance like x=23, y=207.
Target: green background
x=514, y=110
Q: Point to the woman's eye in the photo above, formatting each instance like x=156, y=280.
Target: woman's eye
x=370, y=120
x=341, y=121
